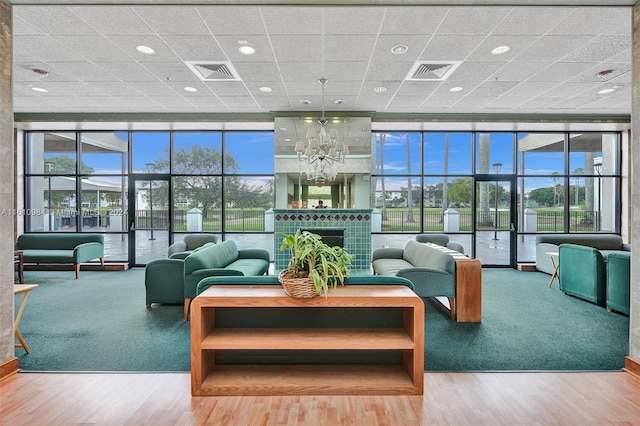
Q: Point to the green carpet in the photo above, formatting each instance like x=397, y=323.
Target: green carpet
x=100, y=323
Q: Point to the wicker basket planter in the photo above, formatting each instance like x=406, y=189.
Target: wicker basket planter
x=300, y=288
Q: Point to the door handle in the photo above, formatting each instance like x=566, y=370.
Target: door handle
x=133, y=226
x=512, y=228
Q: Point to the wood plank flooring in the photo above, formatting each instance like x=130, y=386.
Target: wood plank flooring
x=502, y=398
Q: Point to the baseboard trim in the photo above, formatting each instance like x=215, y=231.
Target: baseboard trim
x=632, y=366
x=83, y=267
x=9, y=368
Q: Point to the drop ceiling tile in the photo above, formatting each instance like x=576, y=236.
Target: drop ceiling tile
x=230, y=20
x=439, y=102
x=353, y=20
x=98, y=103
x=114, y=88
x=344, y=71
x=171, y=102
x=236, y=103
x=384, y=44
x=23, y=72
x=128, y=45
x=228, y=88
x=22, y=27
x=277, y=88
x=450, y=47
x=412, y=20
x=493, y=89
x=44, y=48
x=207, y=102
x=275, y=103
x=373, y=103
x=569, y=89
x=517, y=44
x=112, y=21
x=531, y=88
x=294, y=20
x=507, y=102
x=171, y=71
x=561, y=71
x=84, y=71
x=471, y=101
x=389, y=70
x=301, y=71
x=154, y=88
x=53, y=20
x=602, y=48
x=424, y=88
x=354, y=48
x=93, y=48
x=472, y=20
x=591, y=21
x=478, y=71
x=172, y=20
x=576, y=102
x=301, y=48
x=127, y=71
x=532, y=20
x=552, y=48
x=406, y=102
x=541, y=102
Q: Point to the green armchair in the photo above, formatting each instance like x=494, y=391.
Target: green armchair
x=441, y=240
x=190, y=242
x=618, y=282
x=164, y=281
x=582, y=272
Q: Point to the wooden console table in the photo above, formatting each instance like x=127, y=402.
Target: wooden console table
x=468, y=300
x=335, y=327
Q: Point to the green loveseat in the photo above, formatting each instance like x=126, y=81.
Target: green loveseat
x=432, y=272
x=61, y=248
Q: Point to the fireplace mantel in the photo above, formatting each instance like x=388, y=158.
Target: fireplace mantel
x=356, y=224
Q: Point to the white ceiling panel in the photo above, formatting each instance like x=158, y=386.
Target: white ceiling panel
x=552, y=65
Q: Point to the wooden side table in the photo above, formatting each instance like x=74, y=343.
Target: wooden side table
x=23, y=289
x=554, y=256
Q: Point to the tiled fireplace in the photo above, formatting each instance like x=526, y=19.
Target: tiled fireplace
x=355, y=223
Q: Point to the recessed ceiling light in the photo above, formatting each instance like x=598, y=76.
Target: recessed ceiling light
x=246, y=50
x=500, y=50
x=605, y=91
x=39, y=89
x=456, y=89
x=338, y=101
x=399, y=49
x=379, y=89
x=265, y=89
x=190, y=89
x=145, y=49
x=305, y=102
x=287, y=139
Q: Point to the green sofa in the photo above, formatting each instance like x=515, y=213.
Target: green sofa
x=618, y=282
x=61, y=248
x=432, y=272
x=605, y=243
x=441, y=240
x=164, y=281
x=221, y=259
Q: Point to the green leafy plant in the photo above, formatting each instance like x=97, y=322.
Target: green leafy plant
x=311, y=257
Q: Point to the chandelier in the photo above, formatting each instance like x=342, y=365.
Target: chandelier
x=323, y=149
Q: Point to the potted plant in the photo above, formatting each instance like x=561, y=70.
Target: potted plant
x=314, y=266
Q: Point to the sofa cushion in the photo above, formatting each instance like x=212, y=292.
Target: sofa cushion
x=390, y=266
x=249, y=266
x=212, y=256
x=47, y=256
x=416, y=255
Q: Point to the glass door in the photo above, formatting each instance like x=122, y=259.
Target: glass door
x=494, y=221
x=149, y=222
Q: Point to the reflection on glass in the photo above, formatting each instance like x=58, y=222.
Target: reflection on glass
x=447, y=153
x=104, y=152
x=494, y=148
x=397, y=153
x=150, y=148
x=197, y=153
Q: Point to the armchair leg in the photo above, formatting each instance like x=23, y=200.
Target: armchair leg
x=187, y=302
x=102, y=263
x=77, y=268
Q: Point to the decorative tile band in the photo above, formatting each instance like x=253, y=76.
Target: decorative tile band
x=356, y=224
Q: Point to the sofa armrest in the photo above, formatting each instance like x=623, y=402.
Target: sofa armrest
x=626, y=247
x=87, y=251
x=180, y=246
x=430, y=282
x=253, y=254
x=387, y=253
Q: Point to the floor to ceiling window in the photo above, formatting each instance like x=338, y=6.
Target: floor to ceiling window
x=494, y=191
x=145, y=190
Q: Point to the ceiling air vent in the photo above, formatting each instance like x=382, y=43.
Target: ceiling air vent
x=213, y=71
x=432, y=70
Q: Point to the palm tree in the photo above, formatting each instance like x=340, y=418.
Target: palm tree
x=409, y=186
x=578, y=175
x=485, y=153
x=555, y=188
